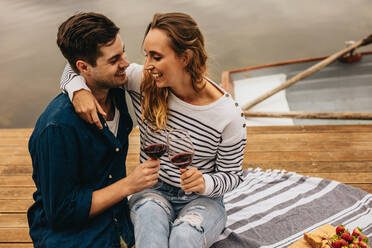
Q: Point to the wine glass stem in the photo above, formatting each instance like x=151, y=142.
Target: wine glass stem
x=183, y=170
x=159, y=183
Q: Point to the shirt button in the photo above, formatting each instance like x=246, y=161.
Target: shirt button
x=117, y=149
x=242, y=114
x=244, y=125
x=116, y=220
x=110, y=176
x=227, y=95
x=105, y=124
x=236, y=104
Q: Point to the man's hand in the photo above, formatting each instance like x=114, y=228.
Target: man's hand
x=192, y=180
x=144, y=175
x=86, y=106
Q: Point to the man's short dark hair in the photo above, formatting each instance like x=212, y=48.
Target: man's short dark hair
x=82, y=35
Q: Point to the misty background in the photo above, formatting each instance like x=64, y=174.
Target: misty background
x=238, y=33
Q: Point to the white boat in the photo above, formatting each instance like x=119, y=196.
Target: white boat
x=340, y=90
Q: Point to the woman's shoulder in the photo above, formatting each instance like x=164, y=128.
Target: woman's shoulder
x=228, y=103
x=134, y=74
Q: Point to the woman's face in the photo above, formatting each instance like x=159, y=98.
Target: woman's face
x=162, y=62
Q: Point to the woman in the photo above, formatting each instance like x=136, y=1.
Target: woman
x=173, y=93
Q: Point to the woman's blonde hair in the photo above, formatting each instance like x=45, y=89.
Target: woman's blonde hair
x=184, y=34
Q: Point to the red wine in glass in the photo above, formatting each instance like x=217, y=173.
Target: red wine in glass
x=182, y=160
x=180, y=153
x=153, y=144
x=155, y=151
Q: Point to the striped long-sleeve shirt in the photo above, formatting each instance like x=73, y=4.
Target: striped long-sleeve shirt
x=217, y=131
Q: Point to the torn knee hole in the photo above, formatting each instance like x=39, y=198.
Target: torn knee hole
x=191, y=219
x=155, y=198
x=196, y=208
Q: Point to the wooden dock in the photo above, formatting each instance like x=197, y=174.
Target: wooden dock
x=341, y=152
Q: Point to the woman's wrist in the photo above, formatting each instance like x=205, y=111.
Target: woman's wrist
x=208, y=185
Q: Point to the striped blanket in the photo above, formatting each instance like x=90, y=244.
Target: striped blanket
x=275, y=208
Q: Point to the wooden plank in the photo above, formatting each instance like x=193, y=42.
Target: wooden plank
x=132, y=158
x=308, y=146
x=15, y=159
x=310, y=128
x=10, y=180
x=16, y=234
x=312, y=166
x=25, y=133
x=133, y=149
x=14, y=206
x=350, y=177
x=340, y=153
x=310, y=137
x=16, y=245
x=14, y=169
x=13, y=134
x=13, y=220
x=16, y=193
x=13, y=142
x=308, y=156
x=15, y=130
x=310, y=114
x=19, y=150
x=364, y=186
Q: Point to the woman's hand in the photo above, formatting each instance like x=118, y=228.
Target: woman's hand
x=86, y=106
x=192, y=180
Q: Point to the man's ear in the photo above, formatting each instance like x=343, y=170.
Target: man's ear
x=187, y=56
x=82, y=66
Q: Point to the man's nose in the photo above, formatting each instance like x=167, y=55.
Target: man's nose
x=124, y=63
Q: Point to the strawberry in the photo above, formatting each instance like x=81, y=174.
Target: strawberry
x=336, y=244
x=355, y=242
x=346, y=236
x=363, y=244
x=340, y=243
x=340, y=229
x=363, y=238
x=357, y=232
x=344, y=243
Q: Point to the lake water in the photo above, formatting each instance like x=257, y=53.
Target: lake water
x=239, y=33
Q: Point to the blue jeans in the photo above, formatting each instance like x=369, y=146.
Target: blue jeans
x=161, y=219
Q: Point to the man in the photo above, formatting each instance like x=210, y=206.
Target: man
x=79, y=169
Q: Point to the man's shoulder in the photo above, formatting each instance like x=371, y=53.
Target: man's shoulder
x=59, y=111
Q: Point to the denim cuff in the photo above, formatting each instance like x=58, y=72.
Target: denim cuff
x=83, y=206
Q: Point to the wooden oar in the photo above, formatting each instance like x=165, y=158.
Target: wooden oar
x=309, y=71
x=311, y=115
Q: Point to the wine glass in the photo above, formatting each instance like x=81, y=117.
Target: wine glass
x=153, y=143
x=180, y=152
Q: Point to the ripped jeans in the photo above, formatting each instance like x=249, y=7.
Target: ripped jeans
x=163, y=220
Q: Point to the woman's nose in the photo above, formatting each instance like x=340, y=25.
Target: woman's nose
x=148, y=65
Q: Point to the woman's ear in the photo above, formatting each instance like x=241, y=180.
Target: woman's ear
x=187, y=56
x=82, y=66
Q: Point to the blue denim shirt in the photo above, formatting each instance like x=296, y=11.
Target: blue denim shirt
x=70, y=160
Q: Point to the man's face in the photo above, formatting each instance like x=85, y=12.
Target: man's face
x=109, y=71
